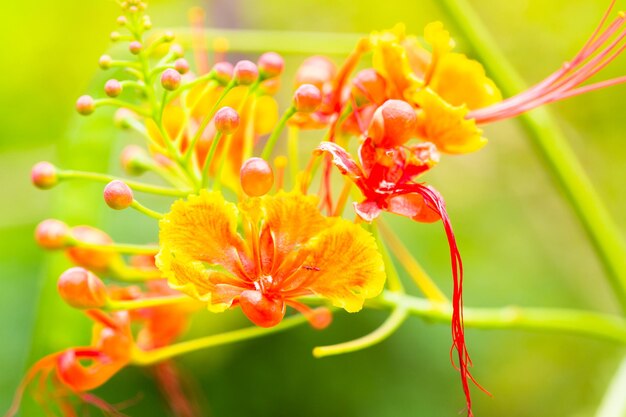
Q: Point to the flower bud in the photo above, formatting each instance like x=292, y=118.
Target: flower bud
x=168, y=36
x=170, y=79
x=51, y=234
x=118, y=195
x=82, y=289
x=257, y=177
x=368, y=87
x=245, y=72
x=181, y=65
x=96, y=259
x=122, y=21
x=134, y=159
x=393, y=123
x=105, y=62
x=177, y=50
x=316, y=70
x=44, y=175
x=135, y=47
x=113, y=88
x=226, y=120
x=270, y=65
x=147, y=23
x=223, y=72
x=85, y=105
x=307, y=98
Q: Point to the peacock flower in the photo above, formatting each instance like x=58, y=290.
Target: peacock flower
x=283, y=249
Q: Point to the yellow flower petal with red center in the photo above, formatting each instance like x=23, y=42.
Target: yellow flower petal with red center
x=288, y=249
x=446, y=125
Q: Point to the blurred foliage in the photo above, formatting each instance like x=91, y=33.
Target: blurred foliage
x=520, y=242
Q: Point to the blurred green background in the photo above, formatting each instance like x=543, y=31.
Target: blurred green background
x=520, y=241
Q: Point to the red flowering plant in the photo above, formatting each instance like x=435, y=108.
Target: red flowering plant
x=246, y=232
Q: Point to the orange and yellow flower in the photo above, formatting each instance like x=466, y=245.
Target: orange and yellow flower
x=286, y=249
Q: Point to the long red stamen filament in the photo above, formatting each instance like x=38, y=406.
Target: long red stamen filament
x=565, y=82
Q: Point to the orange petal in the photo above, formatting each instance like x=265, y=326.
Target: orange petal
x=345, y=265
x=446, y=125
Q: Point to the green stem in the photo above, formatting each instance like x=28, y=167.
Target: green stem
x=145, y=210
x=137, y=186
x=116, y=305
x=554, y=149
x=119, y=103
x=157, y=355
x=209, y=159
x=293, y=140
x=585, y=323
x=393, y=322
x=271, y=142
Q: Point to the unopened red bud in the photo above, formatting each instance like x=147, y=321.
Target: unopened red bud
x=51, y=234
x=105, y=62
x=118, y=195
x=85, y=105
x=169, y=36
x=368, y=87
x=393, y=123
x=245, y=72
x=177, y=50
x=181, y=65
x=316, y=70
x=44, y=175
x=223, y=72
x=82, y=289
x=170, y=79
x=135, y=47
x=307, y=98
x=226, y=120
x=257, y=177
x=133, y=159
x=113, y=88
x=96, y=259
x=122, y=21
x=271, y=65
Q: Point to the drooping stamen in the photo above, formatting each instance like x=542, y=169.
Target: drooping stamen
x=433, y=199
x=597, y=53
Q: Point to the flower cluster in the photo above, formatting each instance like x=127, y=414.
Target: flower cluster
x=246, y=231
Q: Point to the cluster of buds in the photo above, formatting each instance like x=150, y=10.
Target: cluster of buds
x=208, y=129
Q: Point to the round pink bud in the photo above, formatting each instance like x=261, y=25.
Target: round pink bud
x=226, y=120
x=170, y=79
x=245, y=72
x=257, y=177
x=168, y=36
x=82, y=289
x=113, y=88
x=135, y=47
x=105, y=62
x=393, y=123
x=133, y=9
x=177, y=50
x=118, y=195
x=181, y=65
x=223, y=72
x=85, y=105
x=51, y=234
x=133, y=158
x=122, y=21
x=271, y=65
x=307, y=98
x=44, y=175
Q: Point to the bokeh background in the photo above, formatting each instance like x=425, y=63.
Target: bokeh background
x=520, y=241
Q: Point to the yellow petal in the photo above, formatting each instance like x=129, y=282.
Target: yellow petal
x=347, y=265
x=266, y=115
x=445, y=125
x=460, y=80
x=203, y=228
